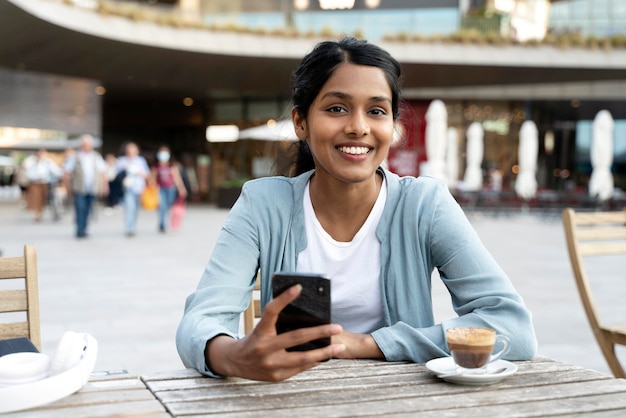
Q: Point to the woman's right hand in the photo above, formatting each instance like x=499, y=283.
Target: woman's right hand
x=262, y=354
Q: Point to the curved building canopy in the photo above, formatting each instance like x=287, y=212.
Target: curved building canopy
x=142, y=59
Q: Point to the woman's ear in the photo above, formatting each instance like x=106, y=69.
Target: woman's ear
x=299, y=125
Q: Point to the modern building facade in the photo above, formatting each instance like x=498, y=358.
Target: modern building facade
x=162, y=71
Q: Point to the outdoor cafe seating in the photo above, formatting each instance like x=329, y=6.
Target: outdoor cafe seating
x=19, y=303
x=597, y=234
x=253, y=311
x=343, y=388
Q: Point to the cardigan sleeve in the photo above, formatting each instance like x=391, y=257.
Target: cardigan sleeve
x=224, y=289
x=481, y=293
x=257, y=235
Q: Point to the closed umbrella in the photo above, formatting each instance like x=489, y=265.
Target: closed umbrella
x=452, y=158
x=436, y=127
x=601, y=181
x=272, y=133
x=473, y=178
x=526, y=183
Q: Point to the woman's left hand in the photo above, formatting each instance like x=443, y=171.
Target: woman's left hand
x=357, y=346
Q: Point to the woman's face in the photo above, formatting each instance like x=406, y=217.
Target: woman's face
x=349, y=127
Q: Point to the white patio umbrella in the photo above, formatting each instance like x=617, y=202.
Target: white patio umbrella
x=436, y=126
x=281, y=130
x=473, y=178
x=601, y=181
x=526, y=183
x=452, y=158
x=273, y=132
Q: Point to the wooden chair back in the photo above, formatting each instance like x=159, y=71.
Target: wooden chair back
x=592, y=234
x=254, y=309
x=21, y=296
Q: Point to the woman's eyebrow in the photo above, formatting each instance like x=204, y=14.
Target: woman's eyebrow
x=337, y=94
x=342, y=95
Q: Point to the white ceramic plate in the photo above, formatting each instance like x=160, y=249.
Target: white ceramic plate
x=445, y=365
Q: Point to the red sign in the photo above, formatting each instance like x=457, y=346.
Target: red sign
x=406, y=155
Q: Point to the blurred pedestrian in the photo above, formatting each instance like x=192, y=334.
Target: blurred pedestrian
x=494, y=180
x=85, y=177
x=166, y=174
x=190, y=179
x=68, y=200
x=115, y=182
x=135, y=171
x=42, y=174
x=21, y=177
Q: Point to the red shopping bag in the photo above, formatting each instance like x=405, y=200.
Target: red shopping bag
x=178, y=212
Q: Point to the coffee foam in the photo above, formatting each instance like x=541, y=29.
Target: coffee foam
x=471, y=336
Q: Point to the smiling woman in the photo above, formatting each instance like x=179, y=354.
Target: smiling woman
x=376, y=235
x=348, y=128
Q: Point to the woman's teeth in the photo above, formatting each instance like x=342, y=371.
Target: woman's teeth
x=354, y=150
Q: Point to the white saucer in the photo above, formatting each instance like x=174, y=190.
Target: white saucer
x=445, y=365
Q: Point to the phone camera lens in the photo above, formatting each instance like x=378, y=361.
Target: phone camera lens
x=321, y=290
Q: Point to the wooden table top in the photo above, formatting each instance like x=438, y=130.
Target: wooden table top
x=342, y=388
x=360, y=387
x=107, y=394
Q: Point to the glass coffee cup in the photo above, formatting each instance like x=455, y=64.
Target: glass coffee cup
x=472, y=348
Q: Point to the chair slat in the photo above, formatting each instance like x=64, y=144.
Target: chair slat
x=13, y=300
x=601, y=233
x=605, y=248
x=12, y=267
x=13, y=330
x=596, y=218
x=618, y=333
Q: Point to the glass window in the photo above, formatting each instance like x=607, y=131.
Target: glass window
x=591, y=17
x=371, y=24
x=263, y=110
x=584, y=137
x=228, y=111
x=584, y=132
x=619, y=141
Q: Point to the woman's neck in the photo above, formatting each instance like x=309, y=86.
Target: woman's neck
x=343, y=208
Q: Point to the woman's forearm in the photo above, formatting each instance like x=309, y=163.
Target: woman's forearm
x=214, y=354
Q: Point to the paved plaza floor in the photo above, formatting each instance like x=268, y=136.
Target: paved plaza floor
x=129, y=292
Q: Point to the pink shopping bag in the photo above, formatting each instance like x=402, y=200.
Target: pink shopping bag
x=178, y=212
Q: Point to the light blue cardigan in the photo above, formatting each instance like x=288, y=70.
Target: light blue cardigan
x=422, y=228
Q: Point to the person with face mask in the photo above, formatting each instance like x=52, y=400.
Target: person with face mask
x=167, y=176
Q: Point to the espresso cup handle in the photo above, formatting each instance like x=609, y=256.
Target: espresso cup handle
x=506, y=345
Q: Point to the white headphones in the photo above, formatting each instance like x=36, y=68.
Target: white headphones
x=28, y=380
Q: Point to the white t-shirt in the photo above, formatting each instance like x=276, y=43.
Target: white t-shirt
x=356, y=298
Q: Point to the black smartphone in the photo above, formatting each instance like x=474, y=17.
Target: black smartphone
x=311, y=308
